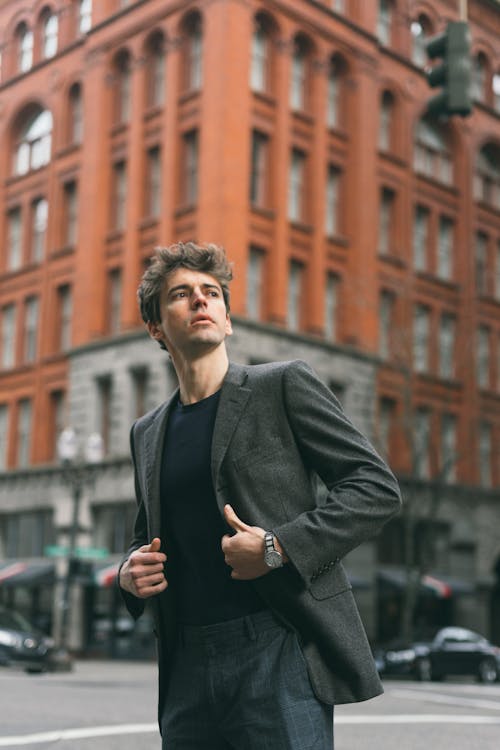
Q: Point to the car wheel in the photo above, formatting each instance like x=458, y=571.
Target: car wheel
x=34, y=670
x=423, y=669
x=487, y=671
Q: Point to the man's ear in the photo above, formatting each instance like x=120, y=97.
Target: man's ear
x=229, y=326
x=154, y=330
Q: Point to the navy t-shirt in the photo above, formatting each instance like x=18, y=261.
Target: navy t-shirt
x=192, y=525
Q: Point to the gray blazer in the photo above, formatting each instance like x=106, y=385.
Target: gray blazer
x=278, y=430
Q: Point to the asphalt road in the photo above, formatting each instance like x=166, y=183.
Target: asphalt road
x=112, y=706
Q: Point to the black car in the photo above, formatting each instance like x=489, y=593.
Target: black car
x=21, y=644
x=452, y=651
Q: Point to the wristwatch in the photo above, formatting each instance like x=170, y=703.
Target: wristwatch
x=272, y=557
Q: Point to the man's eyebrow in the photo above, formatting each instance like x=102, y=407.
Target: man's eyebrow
x=178, y=287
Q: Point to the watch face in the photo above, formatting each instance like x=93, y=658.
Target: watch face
x=273, y=559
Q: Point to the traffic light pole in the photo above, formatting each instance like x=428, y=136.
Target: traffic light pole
x=462, y=11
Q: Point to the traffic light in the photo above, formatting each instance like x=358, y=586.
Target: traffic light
x=454, y=73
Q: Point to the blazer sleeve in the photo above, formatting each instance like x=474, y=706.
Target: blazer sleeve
x=134, y=604
x=363, y=494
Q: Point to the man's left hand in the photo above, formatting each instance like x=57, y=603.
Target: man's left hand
x=244, y=550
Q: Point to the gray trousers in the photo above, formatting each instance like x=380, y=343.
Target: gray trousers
x=243, y=685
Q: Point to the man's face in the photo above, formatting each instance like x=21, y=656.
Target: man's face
x=193, y=315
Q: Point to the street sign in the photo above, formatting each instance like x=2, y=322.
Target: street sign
x=55, y=550
x=91, y=553
x=83, y=553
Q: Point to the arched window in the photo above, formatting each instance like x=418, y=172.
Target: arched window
x=193, y=52
x=75, y=114
x=421, y=30
x=24, y=48
x=480, y=75
x=432, y=156
x=386, y=123
x=155, y=70
x=260, y=67
x=487, y=176
x=334, y=104
x=122, y=86
x=33, y=141
x=299, y=73
x=50, y=29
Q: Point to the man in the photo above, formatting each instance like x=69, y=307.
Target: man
x=234, y=544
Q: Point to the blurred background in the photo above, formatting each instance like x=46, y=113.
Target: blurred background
x=365, y=236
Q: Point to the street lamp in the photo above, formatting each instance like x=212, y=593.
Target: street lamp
x=78, y=470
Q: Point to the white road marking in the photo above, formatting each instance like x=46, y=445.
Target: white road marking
x=108, y=731
x=449, y=700
x=77, y=734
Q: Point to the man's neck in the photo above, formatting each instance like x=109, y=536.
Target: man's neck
x=201, y=377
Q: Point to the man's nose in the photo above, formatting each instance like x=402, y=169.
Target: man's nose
x=198, y=297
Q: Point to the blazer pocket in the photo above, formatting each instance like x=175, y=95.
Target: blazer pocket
x=331, y=583
x=256, y=455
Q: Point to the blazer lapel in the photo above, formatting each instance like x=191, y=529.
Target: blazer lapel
x=153, y=449
x=233, y=399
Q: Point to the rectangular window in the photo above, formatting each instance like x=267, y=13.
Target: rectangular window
x=387, y=411
x=295, y=280
x=333, y=98
x=14, y=240
x=27, y=534
x=497, y=273
x=259, y=167
x=119, y=196
x=447, y=336
x=4, y=431
x=84, y=16
x=296, y=180
x=114, y=300
x=386, y=221
x=255, y=276
x=65, y=315
x=70, y=213
x=259, y=63
x=485, y=466
x=39, y=218
x=449, y=453
x=386, y=323
x=421, y=446
x=153, y=186
x=140, y=379
x=8, y=336
x=483, y=357
x=445, y=248
x=190, y=176
x=420, y=238
x=331, y=306
x=298, y=81
x=104, y=415
x=384, y=21
x=481, y=263
x=332, y=211
x=24, y=433
x=113, y=526
x=57, y=419
x=30, y=329
x=421, y=329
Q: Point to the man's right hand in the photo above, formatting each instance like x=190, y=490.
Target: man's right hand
x=143, y=574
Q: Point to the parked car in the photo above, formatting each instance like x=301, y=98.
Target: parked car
x=21, y=644
x=452, y=651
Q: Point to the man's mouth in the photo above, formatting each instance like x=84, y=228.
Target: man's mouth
x=201, y=319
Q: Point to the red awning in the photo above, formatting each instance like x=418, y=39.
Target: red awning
x=35, y=572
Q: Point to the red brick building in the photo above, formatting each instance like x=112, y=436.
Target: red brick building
x=365, y=238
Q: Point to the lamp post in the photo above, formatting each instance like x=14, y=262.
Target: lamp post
x=78, y=471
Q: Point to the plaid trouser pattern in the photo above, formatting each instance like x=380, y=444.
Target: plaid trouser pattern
x=243, y=685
